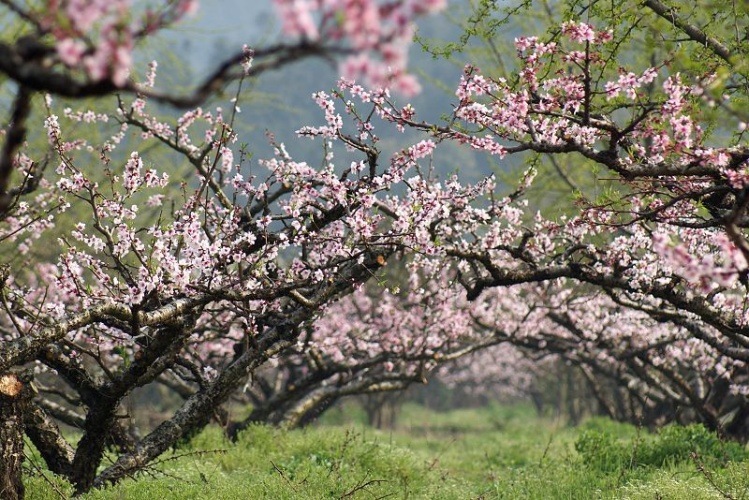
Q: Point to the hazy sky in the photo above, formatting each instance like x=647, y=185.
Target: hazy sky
x=235, y=21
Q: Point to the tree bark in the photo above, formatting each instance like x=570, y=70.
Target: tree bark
x=12, y=402
x=42, y=430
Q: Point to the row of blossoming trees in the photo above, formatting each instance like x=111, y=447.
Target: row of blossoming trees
x=249, y=276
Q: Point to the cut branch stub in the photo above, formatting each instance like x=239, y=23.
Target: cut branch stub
x=10, y=386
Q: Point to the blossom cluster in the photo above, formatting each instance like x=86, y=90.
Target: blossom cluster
x=99, y=35
x=378, y=34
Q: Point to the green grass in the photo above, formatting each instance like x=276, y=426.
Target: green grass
x=484, y=453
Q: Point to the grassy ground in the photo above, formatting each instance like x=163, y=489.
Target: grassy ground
x=488, y=453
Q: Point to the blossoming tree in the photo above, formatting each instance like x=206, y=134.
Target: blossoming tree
x=243, y=264
x=665, y=254
x=152, y=272
x=374, y=340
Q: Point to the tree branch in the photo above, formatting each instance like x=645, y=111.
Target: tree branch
x=692, y=31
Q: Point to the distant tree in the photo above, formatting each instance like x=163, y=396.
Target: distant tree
x=642, y=285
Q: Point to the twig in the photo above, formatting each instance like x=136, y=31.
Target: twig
x=709, y=477
x=692, y=31
x=198, y=453
x=361, y=486
x=44, y=476
x=280, y=473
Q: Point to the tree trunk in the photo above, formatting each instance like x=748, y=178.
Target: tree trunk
x=11, y=437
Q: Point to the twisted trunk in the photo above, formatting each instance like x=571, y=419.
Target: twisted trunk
x=12, y=402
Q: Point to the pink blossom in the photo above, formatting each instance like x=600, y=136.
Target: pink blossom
x=579, y=32
x=70, y=51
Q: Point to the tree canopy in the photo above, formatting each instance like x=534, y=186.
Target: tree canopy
x=189, y=263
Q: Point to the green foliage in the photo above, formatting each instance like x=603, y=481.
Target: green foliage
x=606, y=452
x=676, y=443
x=602, y=451
x=496, y=452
